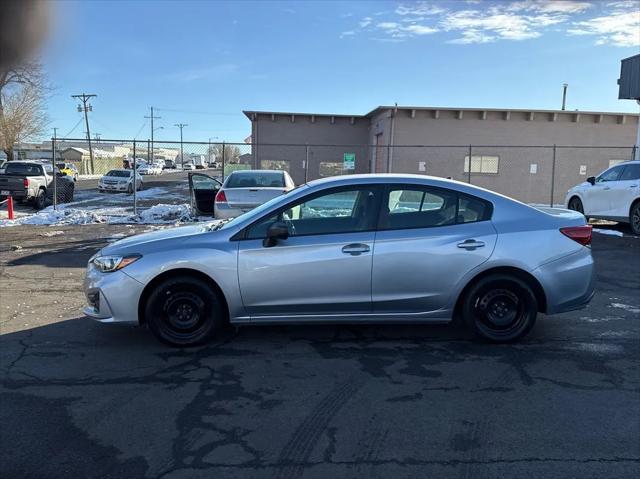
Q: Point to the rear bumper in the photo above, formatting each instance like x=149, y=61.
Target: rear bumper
x=569, y=282
x=16, y=195
x=223, y=212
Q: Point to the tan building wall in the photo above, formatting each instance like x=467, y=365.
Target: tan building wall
x=518, y=144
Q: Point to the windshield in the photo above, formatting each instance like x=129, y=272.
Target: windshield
x=262, y=208
x=119, y=173
x=26, y=169
x=255, y=179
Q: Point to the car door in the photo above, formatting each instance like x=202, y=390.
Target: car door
x=428, y=239
x=202, y=192
x=598, y=197
x=323, y=268
x=627, y=189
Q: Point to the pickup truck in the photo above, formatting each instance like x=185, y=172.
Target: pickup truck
x=33, y=182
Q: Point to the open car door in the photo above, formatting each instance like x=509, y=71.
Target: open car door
x=202, y=192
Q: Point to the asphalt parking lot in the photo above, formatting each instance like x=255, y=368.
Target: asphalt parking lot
x=80, y=399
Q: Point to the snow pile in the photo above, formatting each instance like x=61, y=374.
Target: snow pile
x=608, y=232
x=67, y=214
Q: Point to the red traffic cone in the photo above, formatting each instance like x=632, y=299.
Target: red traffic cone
x=10, y=207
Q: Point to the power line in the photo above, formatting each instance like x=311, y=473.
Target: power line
x=73, y=129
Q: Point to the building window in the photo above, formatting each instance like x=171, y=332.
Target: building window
x=482, y=164
x=330, y=168
x=283, y=165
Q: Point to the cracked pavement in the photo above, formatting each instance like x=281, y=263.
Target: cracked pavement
x=81, y=399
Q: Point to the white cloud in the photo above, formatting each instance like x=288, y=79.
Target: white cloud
x=616, y=22
x=420, y=8
x=620, y=28
x=348, y=33
x=214, y=72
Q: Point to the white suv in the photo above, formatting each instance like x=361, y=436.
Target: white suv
x=613, y=195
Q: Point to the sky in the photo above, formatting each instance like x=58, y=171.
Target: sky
x=203, y=62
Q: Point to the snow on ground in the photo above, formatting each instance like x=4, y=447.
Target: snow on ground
x=626, y=307
x=67, y=214
x=608, y=232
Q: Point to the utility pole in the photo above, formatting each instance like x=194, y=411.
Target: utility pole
x=86, y=108
x=152, y=117
x=181, y=126
x=97, y=137
x=564, y=95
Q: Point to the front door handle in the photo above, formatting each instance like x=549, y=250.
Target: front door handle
x=471, y=244
x=633, y=186
x=355, y=249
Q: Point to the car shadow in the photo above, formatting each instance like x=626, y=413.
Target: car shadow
x=67, y=254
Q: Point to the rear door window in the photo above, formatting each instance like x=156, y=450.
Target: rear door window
x=425, y=207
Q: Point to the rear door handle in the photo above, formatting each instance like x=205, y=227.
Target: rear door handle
x=355, y=249
x=471, y=244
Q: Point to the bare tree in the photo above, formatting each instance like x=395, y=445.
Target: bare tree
x=22, y=109
x=231, y=152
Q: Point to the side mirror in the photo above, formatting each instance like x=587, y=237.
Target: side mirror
x=592, y=180
x=277, y=230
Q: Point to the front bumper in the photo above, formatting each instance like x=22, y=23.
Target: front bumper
x=111, y=297
x=117, y=187
x=568, y=282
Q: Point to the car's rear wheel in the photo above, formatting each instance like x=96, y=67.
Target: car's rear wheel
x=130, y=189
x=634, y=218
x=500, y=308
x=40, y=200
x=184, y=311
x=575, y=204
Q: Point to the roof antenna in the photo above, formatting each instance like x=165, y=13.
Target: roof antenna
x=564, y=95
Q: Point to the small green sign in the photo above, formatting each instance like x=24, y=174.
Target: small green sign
x=349, y=161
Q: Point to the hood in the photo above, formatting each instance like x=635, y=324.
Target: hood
x=143, y=240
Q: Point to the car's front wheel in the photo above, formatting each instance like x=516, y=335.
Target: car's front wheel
x=184, y=311
x=500, y=308
x=634, y=218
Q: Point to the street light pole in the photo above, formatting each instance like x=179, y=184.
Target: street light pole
x=152, y=130
x=181, y=126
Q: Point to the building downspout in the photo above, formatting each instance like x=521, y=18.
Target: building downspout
x=637, y=148
x=391, y=139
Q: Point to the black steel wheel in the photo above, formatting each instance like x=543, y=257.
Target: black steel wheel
x=130, y=189
x=500, y=308
x=184, y=311
x=634, y=218
x=575, y=204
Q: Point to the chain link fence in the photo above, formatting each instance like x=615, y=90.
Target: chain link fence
x=535, y=174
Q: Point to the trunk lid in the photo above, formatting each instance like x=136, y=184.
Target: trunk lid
x=249, y=198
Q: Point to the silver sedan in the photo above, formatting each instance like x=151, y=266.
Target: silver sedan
x=358, y=248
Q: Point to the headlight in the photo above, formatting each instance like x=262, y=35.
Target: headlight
x=108, y=264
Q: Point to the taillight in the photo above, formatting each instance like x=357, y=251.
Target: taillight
x=25, y=183
x=221, y=197
x=581, y=234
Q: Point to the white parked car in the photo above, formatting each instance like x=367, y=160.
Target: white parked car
x=153, y=169
x=188, y=166
x=120, y=180
x=612, y=195
x=243, y=190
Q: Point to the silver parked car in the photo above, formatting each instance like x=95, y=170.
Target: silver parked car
x=243, y=190
x=358, y=248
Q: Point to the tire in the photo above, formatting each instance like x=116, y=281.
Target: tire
x=40, y=201
x=69, y=190
x=634, y=218
x=575, y=204
x=500, y=308
x=130, y=189
x=184, y=311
